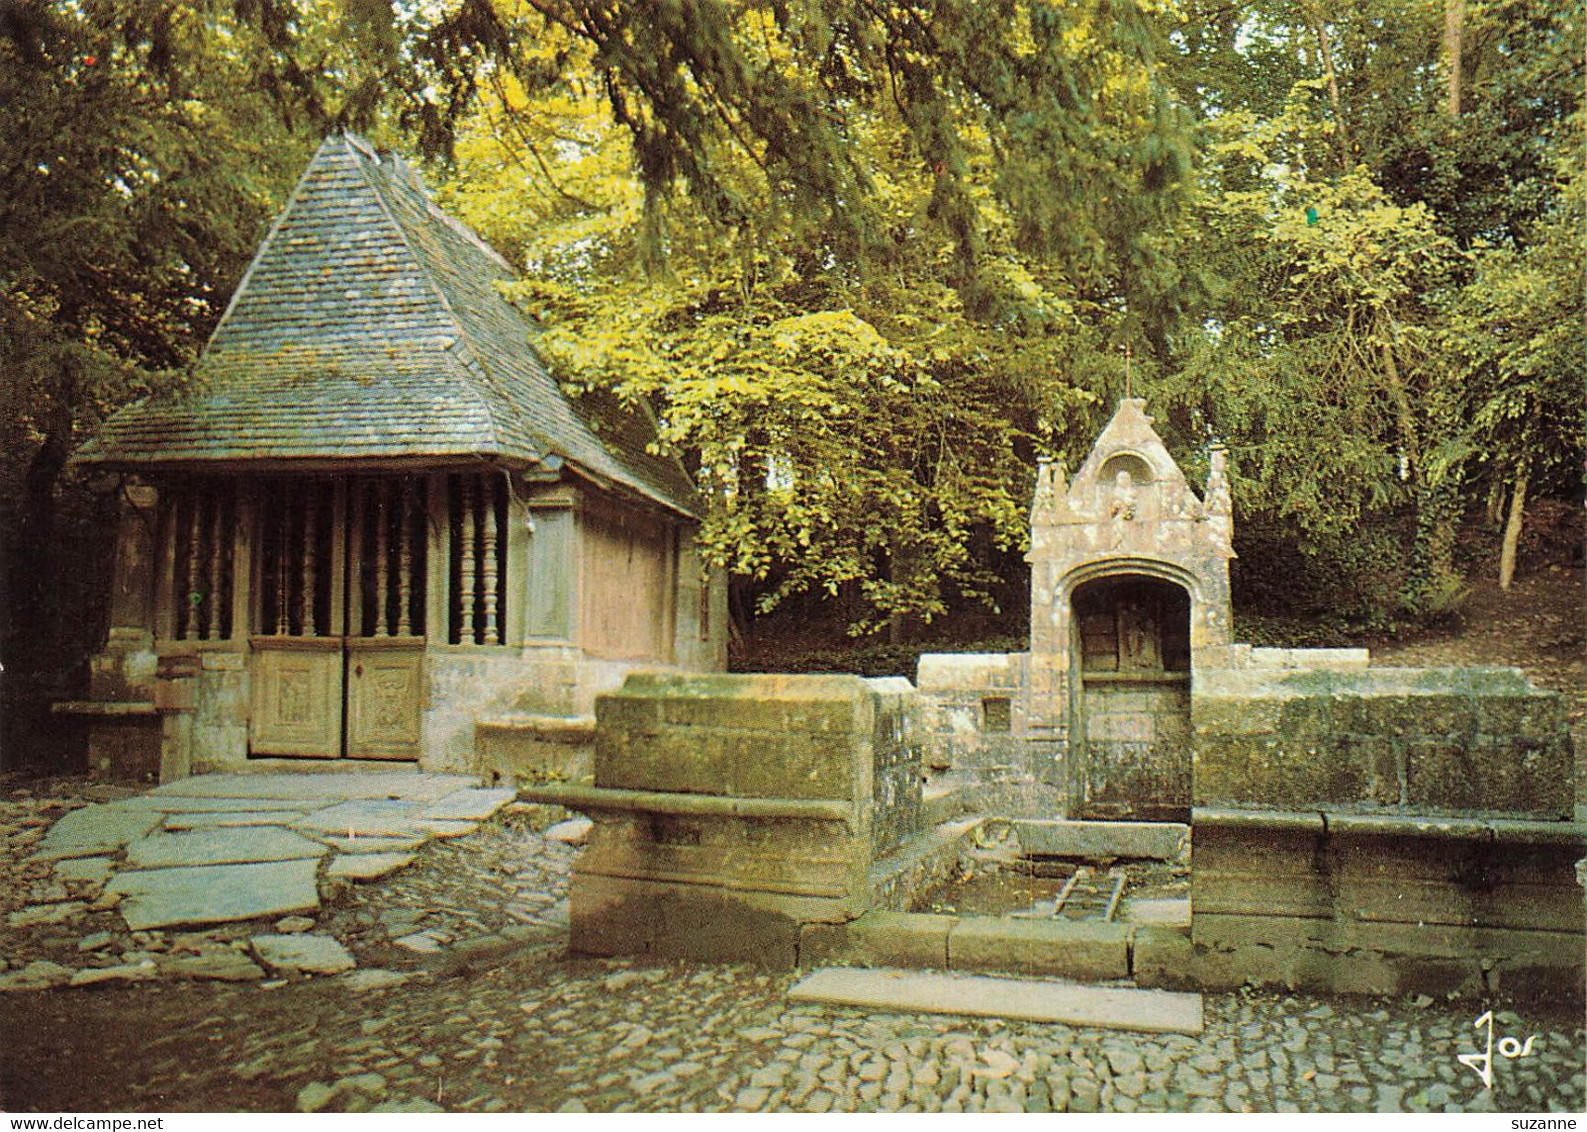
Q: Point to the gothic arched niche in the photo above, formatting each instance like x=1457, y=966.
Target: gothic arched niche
x=1140, y=471
x=1133, y=625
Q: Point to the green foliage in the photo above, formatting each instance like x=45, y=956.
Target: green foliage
x=880, y=659
x=865, y=262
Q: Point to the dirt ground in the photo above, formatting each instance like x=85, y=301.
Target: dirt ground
x=1539, y=626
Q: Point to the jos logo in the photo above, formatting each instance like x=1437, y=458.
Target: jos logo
x=1482, y=1063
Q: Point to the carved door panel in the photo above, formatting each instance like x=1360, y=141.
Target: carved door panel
x=385, y=691
x=297, y=698
x=338, y=647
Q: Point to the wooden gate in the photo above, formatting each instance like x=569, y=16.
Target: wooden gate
x=338, y=647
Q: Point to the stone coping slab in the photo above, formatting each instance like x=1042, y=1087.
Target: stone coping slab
x=222, y=847
x=327, y=786
x=213, y=894
x=1033, y=1000
x=1135, y=839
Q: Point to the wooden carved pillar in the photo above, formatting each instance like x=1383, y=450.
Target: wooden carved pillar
x=488, y=564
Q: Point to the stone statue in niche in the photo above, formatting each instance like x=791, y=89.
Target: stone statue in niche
x=1139, y=650
x=1125, y=503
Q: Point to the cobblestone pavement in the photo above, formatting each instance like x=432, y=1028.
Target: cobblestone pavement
x=497, y=1018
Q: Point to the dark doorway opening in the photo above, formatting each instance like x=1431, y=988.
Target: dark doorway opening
x=1132, y=756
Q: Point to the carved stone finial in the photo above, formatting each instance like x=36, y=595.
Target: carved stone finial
x=1218, y=500
x=1042, y=502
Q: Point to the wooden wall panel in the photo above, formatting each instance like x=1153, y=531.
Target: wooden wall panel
x=628, y=582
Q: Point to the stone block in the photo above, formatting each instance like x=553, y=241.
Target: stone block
x=959, y=672
x=791, y=766
x=1217, y=715
x=889, y=939
x=1381, y=766
x=684, y=760
x=1144, y=840
x=1161, y=956
x=913, y=992
x=621, y=916
x=1511, y=775
x=526, y=749
x=1072, y=949
x=124, y=749
x=1284, y=771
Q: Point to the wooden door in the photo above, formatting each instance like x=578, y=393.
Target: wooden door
x=297, y=697
x=338, y=655
x=1132, y=736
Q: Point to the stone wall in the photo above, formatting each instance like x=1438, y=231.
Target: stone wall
x=473, y=686
x=1136, y=759
x=731, y=809
x=978, y=727
x=1379, y=904
x=220, y=711
x=523, y=749
x=1384, y=830
x=1429, y=741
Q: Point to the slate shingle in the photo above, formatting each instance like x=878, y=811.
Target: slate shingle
x=370, y=325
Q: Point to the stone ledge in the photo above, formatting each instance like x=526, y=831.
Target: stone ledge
x=1141, y=840
x=543, y=728
x=1337, y=823
x=597, y=798
x=105, y=708
x=891, y=939
x=1297, y=821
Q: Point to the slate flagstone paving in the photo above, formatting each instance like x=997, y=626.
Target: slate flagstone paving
x=225, y=847
x=214, y=894
x=222, y=847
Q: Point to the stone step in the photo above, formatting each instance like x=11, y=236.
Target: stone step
x=1148, y=954
x=984, y=996
x=523, y=749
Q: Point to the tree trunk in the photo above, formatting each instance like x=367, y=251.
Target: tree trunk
x=1454, y=30
x=1495, y=507
x=1341, y=134
x=1512, y=532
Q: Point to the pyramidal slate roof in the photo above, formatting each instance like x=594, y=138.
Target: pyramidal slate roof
x=369, y=326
